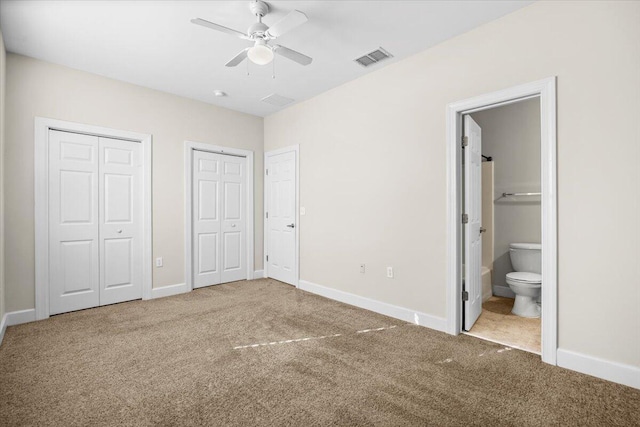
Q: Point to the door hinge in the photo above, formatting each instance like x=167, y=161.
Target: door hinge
x=465, y=296
x=267, y=171
x=465, y=218
x=267, y=257
x=465, y=141
x=267, y=215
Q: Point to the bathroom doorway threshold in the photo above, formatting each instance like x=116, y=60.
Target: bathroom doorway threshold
x=506, y=344
x=546, y=91
x=497, y=324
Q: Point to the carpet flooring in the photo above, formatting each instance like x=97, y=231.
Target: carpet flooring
x=265, y=353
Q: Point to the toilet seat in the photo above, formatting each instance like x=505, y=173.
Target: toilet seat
x=525, y=277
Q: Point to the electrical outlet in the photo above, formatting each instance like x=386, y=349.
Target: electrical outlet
x=362, y=268
x=390, y=272
x=159, y=262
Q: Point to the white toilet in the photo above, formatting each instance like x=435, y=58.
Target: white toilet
x=526, y=281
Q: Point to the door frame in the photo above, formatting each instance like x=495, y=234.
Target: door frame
x=189, y=147
x=41, y=206
x=545, y=90
x=296, y=150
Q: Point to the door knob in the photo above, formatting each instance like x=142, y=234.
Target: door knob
x=233, y=225
x=291, y=225
x=482, y=229
x=119, y=231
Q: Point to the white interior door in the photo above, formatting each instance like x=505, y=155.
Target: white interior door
x=281, y=254
x=219, y=218
x=206, y=219
x=95, y=221
x=73, y=222
x=120, y=169
x=473, y=208
x=233, y=213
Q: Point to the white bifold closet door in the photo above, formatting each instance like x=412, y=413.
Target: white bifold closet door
x=219, y=223
x=95, y=221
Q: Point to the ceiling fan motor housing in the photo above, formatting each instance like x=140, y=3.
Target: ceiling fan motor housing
x=259, y=8
x=257, y=30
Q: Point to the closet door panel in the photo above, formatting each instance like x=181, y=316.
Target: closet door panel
x=233, y=224
x=206, y=219
x=121, y=261
x=73, y=222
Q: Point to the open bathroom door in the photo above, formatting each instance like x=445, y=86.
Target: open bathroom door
x=473, y=210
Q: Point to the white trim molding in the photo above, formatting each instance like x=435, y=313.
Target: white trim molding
x=189, y=146
x=546, y=91
x=20, y=317
x=611, y=371
x=170, y=290
x=16, y=318
x=406, y=314
x=41, y=205
x=258, y=274
x=3, y=327
x=296, y=150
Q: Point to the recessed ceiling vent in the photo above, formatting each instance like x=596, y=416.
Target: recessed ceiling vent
x=373, y=57
x=277, y=100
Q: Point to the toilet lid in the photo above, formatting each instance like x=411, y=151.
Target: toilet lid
x=525, y=277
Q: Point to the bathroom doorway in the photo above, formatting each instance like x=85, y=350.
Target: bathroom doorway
x=525, y=262
x=509, y=217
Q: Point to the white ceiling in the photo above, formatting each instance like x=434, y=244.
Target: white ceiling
x=153, y=44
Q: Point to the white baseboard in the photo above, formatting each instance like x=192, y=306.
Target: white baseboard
x=3, y=327
x=20, y=317
x=16, y=318
x=611, y=371
x=503, y=291
x=167, y=291
x=408, y=315
x=258, y=274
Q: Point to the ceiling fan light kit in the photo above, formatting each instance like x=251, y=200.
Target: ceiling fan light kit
x=260, y=53
x=260, y=34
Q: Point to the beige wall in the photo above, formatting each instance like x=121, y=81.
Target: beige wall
x=3, y=62
x=373, y=166
x=37, y=88
x=511, y=135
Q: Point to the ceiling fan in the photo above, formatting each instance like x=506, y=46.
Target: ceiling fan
x=261, y=52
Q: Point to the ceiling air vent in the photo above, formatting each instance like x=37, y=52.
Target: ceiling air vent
x=373, y=57
x=277, y=100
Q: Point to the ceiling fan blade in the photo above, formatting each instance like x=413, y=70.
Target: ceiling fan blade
x=289, y=22
x=238, y=58
x=292, y=55
x=221, y=28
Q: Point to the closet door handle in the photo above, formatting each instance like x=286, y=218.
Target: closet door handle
x=291, y=225
x=119, y=231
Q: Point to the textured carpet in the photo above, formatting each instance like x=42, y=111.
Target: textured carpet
x=176, y=361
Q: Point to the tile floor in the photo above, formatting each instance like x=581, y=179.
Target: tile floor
x=496, y=323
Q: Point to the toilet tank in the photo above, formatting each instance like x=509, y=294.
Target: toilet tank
x=526, y=257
